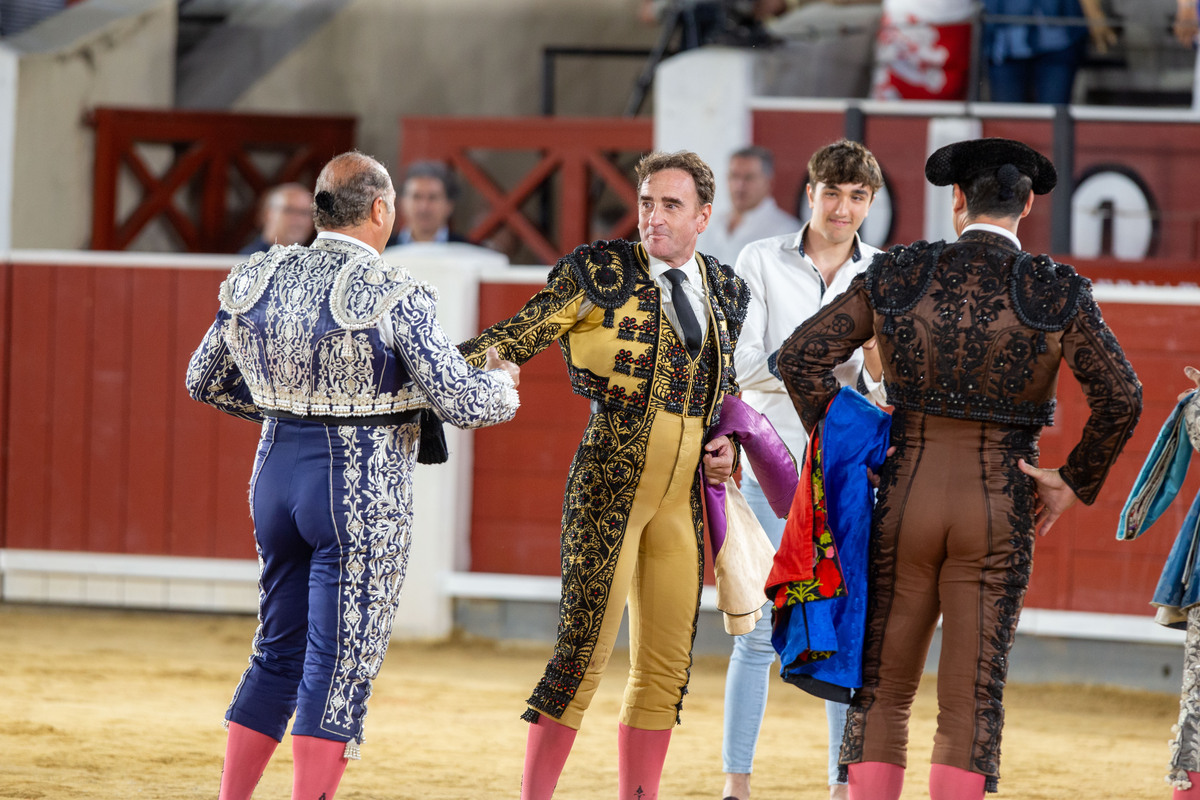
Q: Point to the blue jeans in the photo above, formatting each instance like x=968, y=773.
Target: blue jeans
x=1045, y=78
x=749, y=672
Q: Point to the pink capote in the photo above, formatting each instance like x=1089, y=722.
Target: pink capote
x=742, y=554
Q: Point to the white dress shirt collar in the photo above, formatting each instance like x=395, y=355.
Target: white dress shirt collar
x=341, y=237
x=855, y=252
x=996, y=229
x=691, y=269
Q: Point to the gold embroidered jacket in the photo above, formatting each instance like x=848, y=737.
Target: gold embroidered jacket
x=616, y=349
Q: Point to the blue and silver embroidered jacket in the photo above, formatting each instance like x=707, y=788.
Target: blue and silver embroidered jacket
x=333, y=330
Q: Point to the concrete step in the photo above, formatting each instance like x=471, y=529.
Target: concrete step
x=226, y=46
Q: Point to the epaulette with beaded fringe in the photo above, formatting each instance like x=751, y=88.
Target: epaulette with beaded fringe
x=606, y=271
x=899, y=277
x=1046, y=294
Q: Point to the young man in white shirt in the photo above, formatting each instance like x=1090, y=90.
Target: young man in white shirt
x=790, y=277
x=752, y=213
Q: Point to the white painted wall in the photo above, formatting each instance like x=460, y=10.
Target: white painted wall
x=9, y=65
x=382, y=60
x=702, y=103
x=103, y=52
x=442, y=492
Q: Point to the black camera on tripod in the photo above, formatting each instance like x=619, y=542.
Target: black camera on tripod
x=699, y=22
x=728, y=22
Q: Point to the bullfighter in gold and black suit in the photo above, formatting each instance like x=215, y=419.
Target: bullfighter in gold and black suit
x=647, y=331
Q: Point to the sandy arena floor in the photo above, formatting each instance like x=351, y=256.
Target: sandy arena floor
x=111, y=704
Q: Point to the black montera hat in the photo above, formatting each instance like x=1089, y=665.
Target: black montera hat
x=958, y=162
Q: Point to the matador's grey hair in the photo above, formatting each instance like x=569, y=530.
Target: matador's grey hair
x=346, y=189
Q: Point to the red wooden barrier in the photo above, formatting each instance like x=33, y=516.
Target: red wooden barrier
x=106, y=453
x=1079, y=566
x=105, y=450
x=578, y=151
x=215, y=154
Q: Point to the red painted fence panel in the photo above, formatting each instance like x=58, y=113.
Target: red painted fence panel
x=106, y=452
x=221, y=164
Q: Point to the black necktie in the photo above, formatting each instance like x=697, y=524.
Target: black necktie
x=692, y=336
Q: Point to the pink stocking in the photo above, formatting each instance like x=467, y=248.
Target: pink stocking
x=318, y=768
x=246, y=755
x=546, y=750
x=640, y=757
x=875, y=780
x=1189, y=794
x=953, y=783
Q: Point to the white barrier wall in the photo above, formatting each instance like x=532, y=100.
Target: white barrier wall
x=702, y=103
x=8, y=126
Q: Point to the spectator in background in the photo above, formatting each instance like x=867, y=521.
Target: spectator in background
x=790, y=277
x=752, y=213
x=727, y=22
x=1037, y=63
x=286, y=216
x=923, y=50
x=427, y=197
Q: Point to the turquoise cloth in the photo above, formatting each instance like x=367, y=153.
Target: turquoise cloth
x=1156, y=487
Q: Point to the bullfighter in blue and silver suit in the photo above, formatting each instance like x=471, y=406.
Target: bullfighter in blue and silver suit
x=341, y=358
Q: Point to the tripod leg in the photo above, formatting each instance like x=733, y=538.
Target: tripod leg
x=672, y=21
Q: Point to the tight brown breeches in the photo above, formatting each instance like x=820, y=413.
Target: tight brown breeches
x=953, y=536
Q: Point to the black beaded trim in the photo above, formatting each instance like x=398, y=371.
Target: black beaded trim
x=623, y=362
x=978, y=408
x=588, y=383
x=1018, y=568
x=890, y=297
x=890, y=300
x=556, y=689
x=648, y=298
x=643, y=367
x=703, y=379
x=629, y=330
x=731, y=291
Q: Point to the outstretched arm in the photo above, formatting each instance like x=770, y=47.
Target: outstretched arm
x=826, y=339
x=462, y=395
x=541, y=321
